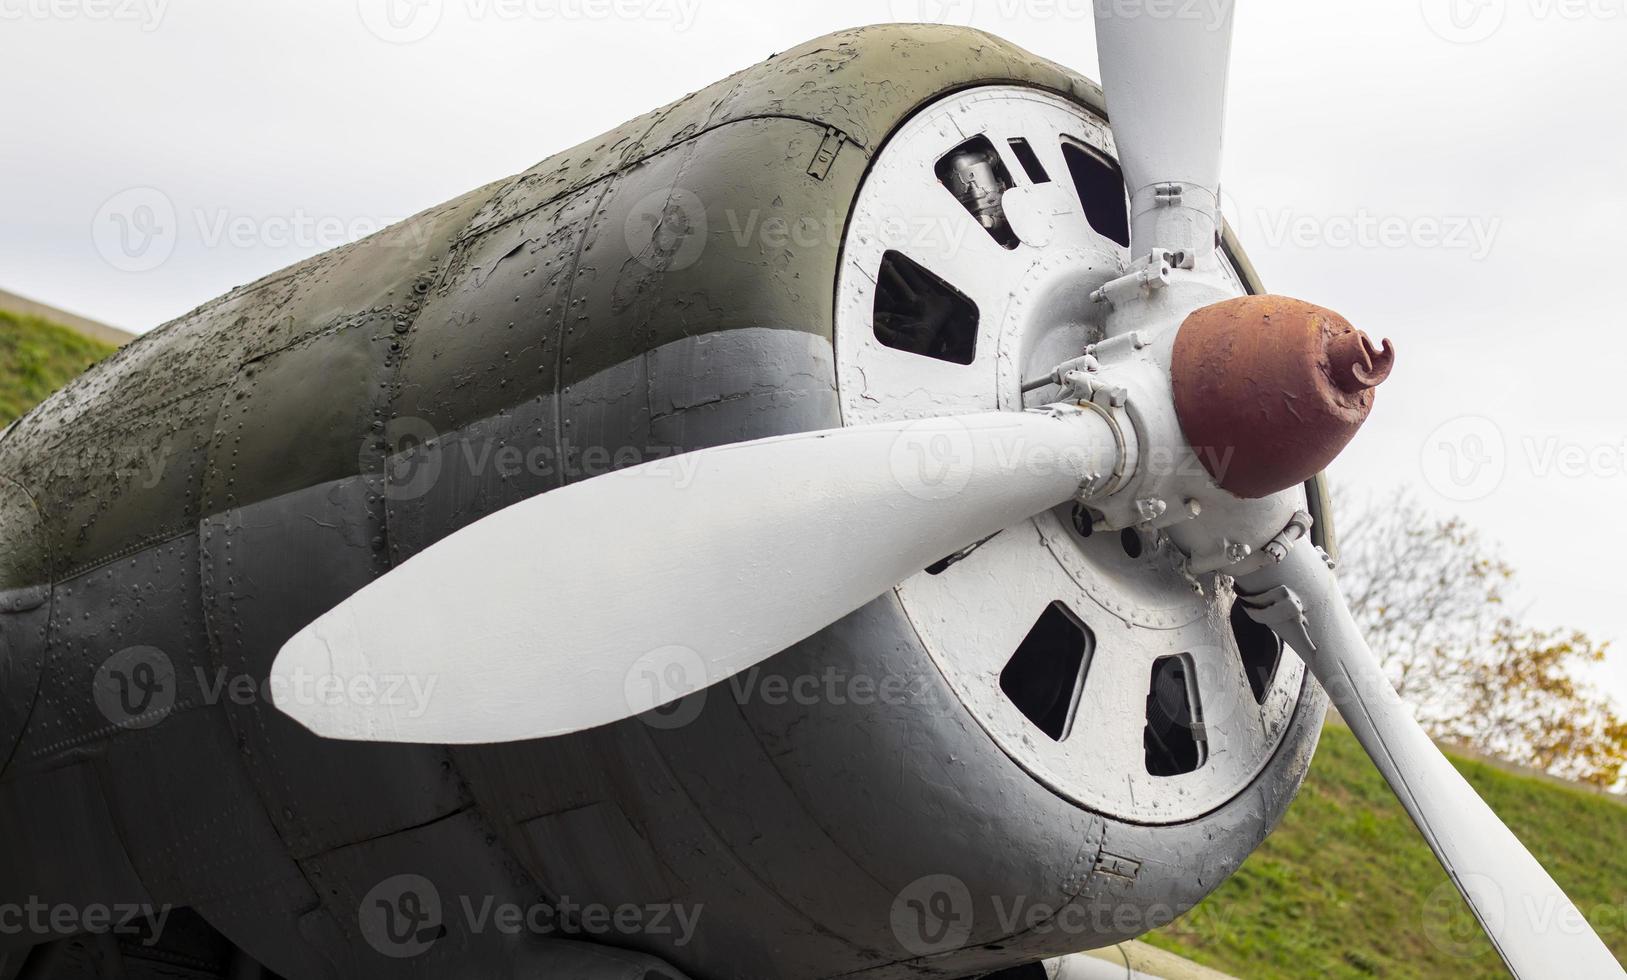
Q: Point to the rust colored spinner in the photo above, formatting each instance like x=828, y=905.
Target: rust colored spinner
x=1269, y=389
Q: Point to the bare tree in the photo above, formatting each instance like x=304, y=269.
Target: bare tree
x=1431, y=594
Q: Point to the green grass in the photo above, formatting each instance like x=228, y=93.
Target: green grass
x=36, y=358
x=1346, y=888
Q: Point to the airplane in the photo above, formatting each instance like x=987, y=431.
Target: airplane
x=863, y=519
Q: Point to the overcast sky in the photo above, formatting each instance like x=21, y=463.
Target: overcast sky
x=1448, y=176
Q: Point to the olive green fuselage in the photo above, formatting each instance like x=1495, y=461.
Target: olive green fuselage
x=177, y=513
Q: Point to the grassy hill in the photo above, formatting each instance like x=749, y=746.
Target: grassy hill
x=36, y=358
x=1346, y=888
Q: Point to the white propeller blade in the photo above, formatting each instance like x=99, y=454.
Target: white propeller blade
x=1164, y=72
x=613, y=596
x=1536, y=929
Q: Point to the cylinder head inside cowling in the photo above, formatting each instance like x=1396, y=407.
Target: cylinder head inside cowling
x=979, y=179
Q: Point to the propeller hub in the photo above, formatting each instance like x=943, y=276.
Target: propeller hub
x=1270, y=389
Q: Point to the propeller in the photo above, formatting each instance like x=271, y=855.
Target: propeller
x=1164, y=75
x=1533, y=925
x=606, y=598
x=618, y=594
x=1165, y=82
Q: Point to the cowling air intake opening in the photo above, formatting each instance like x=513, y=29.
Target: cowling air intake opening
x=1046, y=675
x=919, y=313
x=1174, y=739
